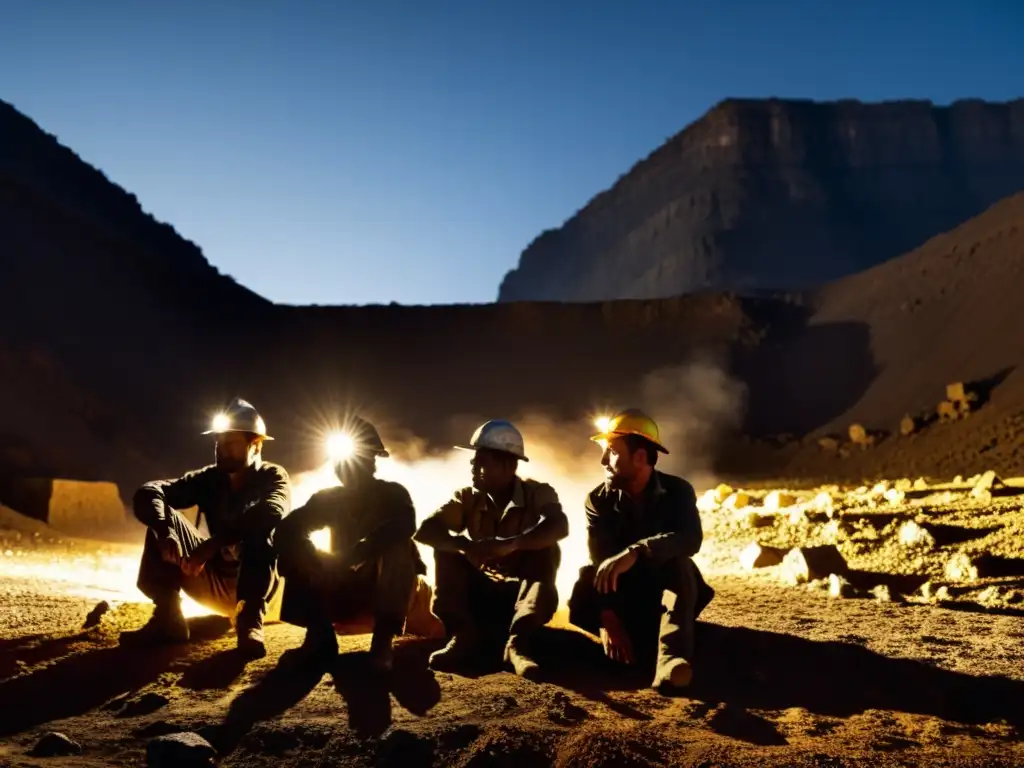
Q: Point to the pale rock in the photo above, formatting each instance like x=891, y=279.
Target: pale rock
x=757, y=556
x=797, y=516
x=895, y=497
x=990, y=596
x=737, y=500
x=804, y=564
x=961, y=568
x=913, y=536
x=839, y=587
x=920, y=484
x=722, y=492
x=985, y=484
x=881, y=593
x=777, y=500
x=823, y=503
x=707, y=501
x=904, y=484
x=830, y=531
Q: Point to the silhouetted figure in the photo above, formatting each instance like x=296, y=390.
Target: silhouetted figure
x=373, y=563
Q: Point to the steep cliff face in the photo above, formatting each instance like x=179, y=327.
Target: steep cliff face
x=779, y=194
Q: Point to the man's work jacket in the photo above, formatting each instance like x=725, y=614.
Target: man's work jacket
x=475, y=513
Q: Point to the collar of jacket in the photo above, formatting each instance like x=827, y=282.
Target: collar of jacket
x=654, y=488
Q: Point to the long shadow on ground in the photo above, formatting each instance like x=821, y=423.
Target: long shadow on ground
x=85, y=679
x=367, y=695
x=747, y=669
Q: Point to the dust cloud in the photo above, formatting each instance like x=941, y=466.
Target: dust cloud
x=693, y=403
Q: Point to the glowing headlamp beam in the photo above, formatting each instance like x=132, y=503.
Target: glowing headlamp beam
x=340, y=446
x=602, y=423
x=221, y=423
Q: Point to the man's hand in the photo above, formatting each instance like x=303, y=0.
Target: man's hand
x=193, y=565
x=607, y=578
x=616, y=641
x=483, y=550
x=170, y=550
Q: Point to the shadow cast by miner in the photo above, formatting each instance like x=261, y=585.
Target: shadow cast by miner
x=86, y=679
x=754, y=669
x=367, y=696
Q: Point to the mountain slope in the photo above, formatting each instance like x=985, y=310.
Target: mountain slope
x=779, y=194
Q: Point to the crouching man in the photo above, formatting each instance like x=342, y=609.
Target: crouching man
x=373, y=563
x=643, y=528
x=233, y=572
x=496, y=556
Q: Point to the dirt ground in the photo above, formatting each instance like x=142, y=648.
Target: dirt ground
x=929, y=672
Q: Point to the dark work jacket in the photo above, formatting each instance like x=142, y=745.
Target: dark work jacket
x=667, y=523
x=253, y=511
x=364, y=522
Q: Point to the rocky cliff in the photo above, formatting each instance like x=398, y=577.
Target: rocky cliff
x=762, y=194
x=118, y=339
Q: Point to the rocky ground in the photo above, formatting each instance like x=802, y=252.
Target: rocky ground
x=888, y=632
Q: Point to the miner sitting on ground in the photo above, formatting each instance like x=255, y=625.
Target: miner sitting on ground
x=496, y=556
x=642, y=529
x=374, y=563
x=242, y=498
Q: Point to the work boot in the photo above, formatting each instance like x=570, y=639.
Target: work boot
x=166, y=626
x=249, y=630
x=250, y=642
x=673, y=673
x=321, y=642
x=460, y=650
x=382, y=652
x=516, y=654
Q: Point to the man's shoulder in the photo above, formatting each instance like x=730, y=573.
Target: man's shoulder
x=675, y=485
x=674, y=481
x=540, y=493
x=394, y=489
x=271, y=470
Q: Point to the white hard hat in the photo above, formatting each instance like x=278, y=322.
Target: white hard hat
x=497, y=435
x=240, y=416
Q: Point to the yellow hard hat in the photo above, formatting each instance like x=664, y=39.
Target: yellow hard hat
x=631, y=422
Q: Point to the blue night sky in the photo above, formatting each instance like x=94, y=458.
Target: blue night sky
x=355, y=153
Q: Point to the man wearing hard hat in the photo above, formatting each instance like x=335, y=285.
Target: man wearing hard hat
x=643, y=528
x=373, y=563
x=496, y=556
x=233, y=572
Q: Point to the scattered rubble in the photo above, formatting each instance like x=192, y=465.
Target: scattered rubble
x=947, y=542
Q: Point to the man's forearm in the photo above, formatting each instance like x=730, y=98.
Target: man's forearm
x=544, y=534
x=441, y=539
x=662, y=547
x=383, y=538
x=151, y=510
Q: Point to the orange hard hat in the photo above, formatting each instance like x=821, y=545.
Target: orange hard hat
x=631, y=422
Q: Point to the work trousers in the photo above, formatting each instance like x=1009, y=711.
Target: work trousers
x=223, y=583
x=465, y=597
x=638, y=603
x=381, y=586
